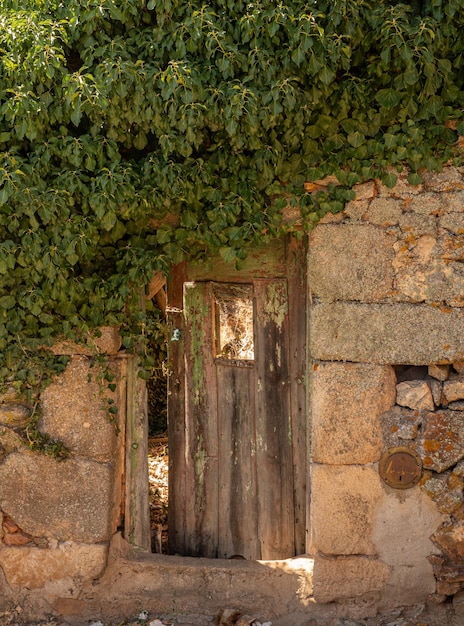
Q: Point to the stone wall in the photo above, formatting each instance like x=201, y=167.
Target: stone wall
x=386, y=339
x=387, y=343
x=57, y=517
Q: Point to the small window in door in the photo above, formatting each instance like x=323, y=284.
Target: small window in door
x=233, y=322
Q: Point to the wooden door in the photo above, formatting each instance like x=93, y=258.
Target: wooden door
x=237, y=418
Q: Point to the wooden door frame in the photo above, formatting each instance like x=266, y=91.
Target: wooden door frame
x=136, y=508
x=294, y=269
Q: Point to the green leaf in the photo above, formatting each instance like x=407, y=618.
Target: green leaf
x=298, y=56
x=411, y=76
x=390, y=180
x=108, y=220
x=356, y=139
x=140, y=141
x=4, y=195
x=388, y=98
x=415, y=179
x=189, y=219
x=314, y=65
x=390, y=140
x=164, y=234
x=7, y=302
x=72, y=259
x=228, y=254
x=326, y=75
x=434, y=105
x=76, y=114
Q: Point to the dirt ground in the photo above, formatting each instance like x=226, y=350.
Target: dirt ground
x=424, y=619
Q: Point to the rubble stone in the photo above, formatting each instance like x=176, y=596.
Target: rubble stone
x=451, y=246
x=447, y=500
x=452, y=222
x=427, y=203
x=453, y=389
x=459, y=469
x=9, y=441
x=441, y=280
x=407, y=432
x=437, y=390
x=447, y=588
x=415, y=394
x=73, y=411
x=449, y=179
x=458, y=603
x=365, y=191
x=456, y=406
x=399, y=421
x=450, y=538
x=385, y=211
x=106, y=340
x=442, y=444
x=356, y=209
x=414, y=226
x=14, y=414
x=440, y=372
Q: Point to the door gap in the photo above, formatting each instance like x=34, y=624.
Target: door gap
x=158, y=458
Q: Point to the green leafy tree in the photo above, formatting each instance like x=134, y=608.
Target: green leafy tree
x=134, y=134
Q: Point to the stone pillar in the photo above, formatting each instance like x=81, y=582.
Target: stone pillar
x=58, y=516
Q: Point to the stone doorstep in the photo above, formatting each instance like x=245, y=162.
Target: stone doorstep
x=166, y=584
x=190, y=591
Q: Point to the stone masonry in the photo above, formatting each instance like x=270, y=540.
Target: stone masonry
x=387, y=347
x=57, y=517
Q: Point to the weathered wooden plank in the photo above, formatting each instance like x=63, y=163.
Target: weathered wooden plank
x=176, y=408
x=273, y=422
x=119, y=495
x=238, y=524
x=297, y=308
x=157, y=282
x=137, y=512
x=261, y=262
x=201, y=449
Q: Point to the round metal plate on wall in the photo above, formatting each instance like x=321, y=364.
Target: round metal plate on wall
x=400, y=467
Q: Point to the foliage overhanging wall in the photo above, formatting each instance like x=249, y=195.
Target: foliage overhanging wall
x=134, y=134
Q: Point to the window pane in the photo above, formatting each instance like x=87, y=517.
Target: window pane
x=233, y=305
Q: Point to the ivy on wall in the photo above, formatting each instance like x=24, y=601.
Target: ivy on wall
x=134, y=134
